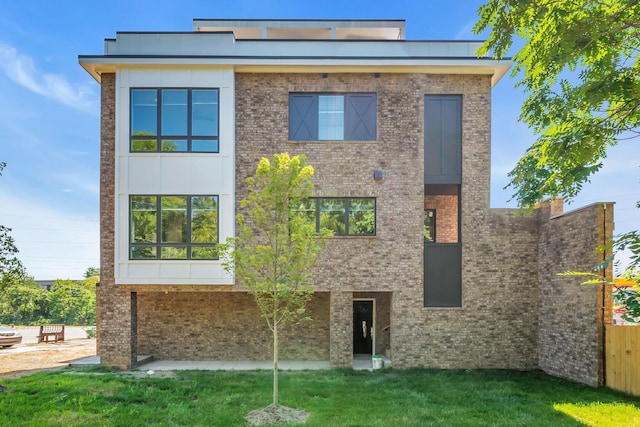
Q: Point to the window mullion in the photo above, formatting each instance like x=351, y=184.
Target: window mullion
x=189, y=118
x=159, y=120
x=347, y=209
x=158, y=227
x=188, y=238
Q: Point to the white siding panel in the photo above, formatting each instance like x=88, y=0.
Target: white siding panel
x=165, y=173
x=144, y=175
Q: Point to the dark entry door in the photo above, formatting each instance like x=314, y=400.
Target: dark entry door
x=362, y=327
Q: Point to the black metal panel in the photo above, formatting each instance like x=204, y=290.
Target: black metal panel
x=303, y=117
x=360, y=117
x=442, y=139
x=442, y=275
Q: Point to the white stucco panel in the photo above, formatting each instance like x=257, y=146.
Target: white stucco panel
x=175, y=174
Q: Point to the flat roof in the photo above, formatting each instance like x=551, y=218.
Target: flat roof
x=226, y=43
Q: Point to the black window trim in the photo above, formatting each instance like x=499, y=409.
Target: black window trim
x=158, y=244
x=159, y=136
x=316, y=201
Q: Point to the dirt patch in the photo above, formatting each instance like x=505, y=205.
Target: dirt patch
x=276, y=414
x=26, y=359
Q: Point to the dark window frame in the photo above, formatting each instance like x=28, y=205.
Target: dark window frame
x=432, y=225
x=159, y=136
x=158, y=244
x=317, y=201
x=359, y=123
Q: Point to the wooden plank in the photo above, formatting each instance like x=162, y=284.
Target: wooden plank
x=622, y=355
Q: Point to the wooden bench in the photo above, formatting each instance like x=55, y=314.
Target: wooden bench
x=51, y=331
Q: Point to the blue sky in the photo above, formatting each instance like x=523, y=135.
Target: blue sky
x=49, y=107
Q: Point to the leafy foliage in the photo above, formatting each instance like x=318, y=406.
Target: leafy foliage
x=91, y=271
x=581, y=70
x=73, y=302
x=276, y=245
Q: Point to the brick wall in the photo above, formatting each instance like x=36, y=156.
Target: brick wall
x=497, y=325
x=446, y=217
x=116, y=331
x=571, y=314
x=513, y=314
x=225, y=326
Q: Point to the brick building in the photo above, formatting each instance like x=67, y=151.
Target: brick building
x=420, y=269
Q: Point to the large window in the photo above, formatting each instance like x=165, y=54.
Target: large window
x=344, y=216
x=332, y=117
x=174, y=120
x=173, y=227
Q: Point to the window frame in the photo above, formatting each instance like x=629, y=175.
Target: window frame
x=431, y=213
x=347, y=207
x=159, y=137
x=189, y=245
x=359, y=123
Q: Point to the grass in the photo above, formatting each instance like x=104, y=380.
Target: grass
x=96, y=397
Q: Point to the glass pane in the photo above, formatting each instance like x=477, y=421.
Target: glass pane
x=362, y=216
x=143, y=219
x=331, y=117
x=174, y=219
x=171, y=145
x=144, y=145
x=333, y=215
x=204, y=252
x=144, y=252
x=144, y=109
x=174, y=112
x=204, y=112
x=205, y=145
x=173, y=252
x=204, y=219
x=429, y=225
x=307, y=209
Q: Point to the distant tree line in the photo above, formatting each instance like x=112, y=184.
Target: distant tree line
x=24, y=302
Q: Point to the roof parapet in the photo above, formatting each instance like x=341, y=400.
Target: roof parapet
x=305, y=29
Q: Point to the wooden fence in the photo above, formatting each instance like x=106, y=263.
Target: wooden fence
x=623, y=358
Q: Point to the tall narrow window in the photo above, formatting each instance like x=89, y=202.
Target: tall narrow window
x=174, y=120
x=429, y=225
x=331, y=117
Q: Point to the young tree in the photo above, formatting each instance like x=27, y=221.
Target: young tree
x=276, y=245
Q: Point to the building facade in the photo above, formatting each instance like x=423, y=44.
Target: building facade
x=420, y=268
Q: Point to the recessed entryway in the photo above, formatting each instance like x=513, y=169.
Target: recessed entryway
x=363, y=326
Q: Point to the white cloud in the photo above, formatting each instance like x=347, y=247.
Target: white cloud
x=466, y=32
x=21, y=69
x=52, y=243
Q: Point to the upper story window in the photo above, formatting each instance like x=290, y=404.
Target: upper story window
x=332, y=117
x=174, y=120
x=173, y=227
x=344, y=216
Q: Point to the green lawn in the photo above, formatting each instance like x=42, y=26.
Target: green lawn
x=333, y=398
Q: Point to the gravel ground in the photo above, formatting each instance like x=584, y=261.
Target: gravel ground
x=28, y=357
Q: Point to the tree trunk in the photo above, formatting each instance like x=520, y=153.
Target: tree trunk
x=275, y=363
